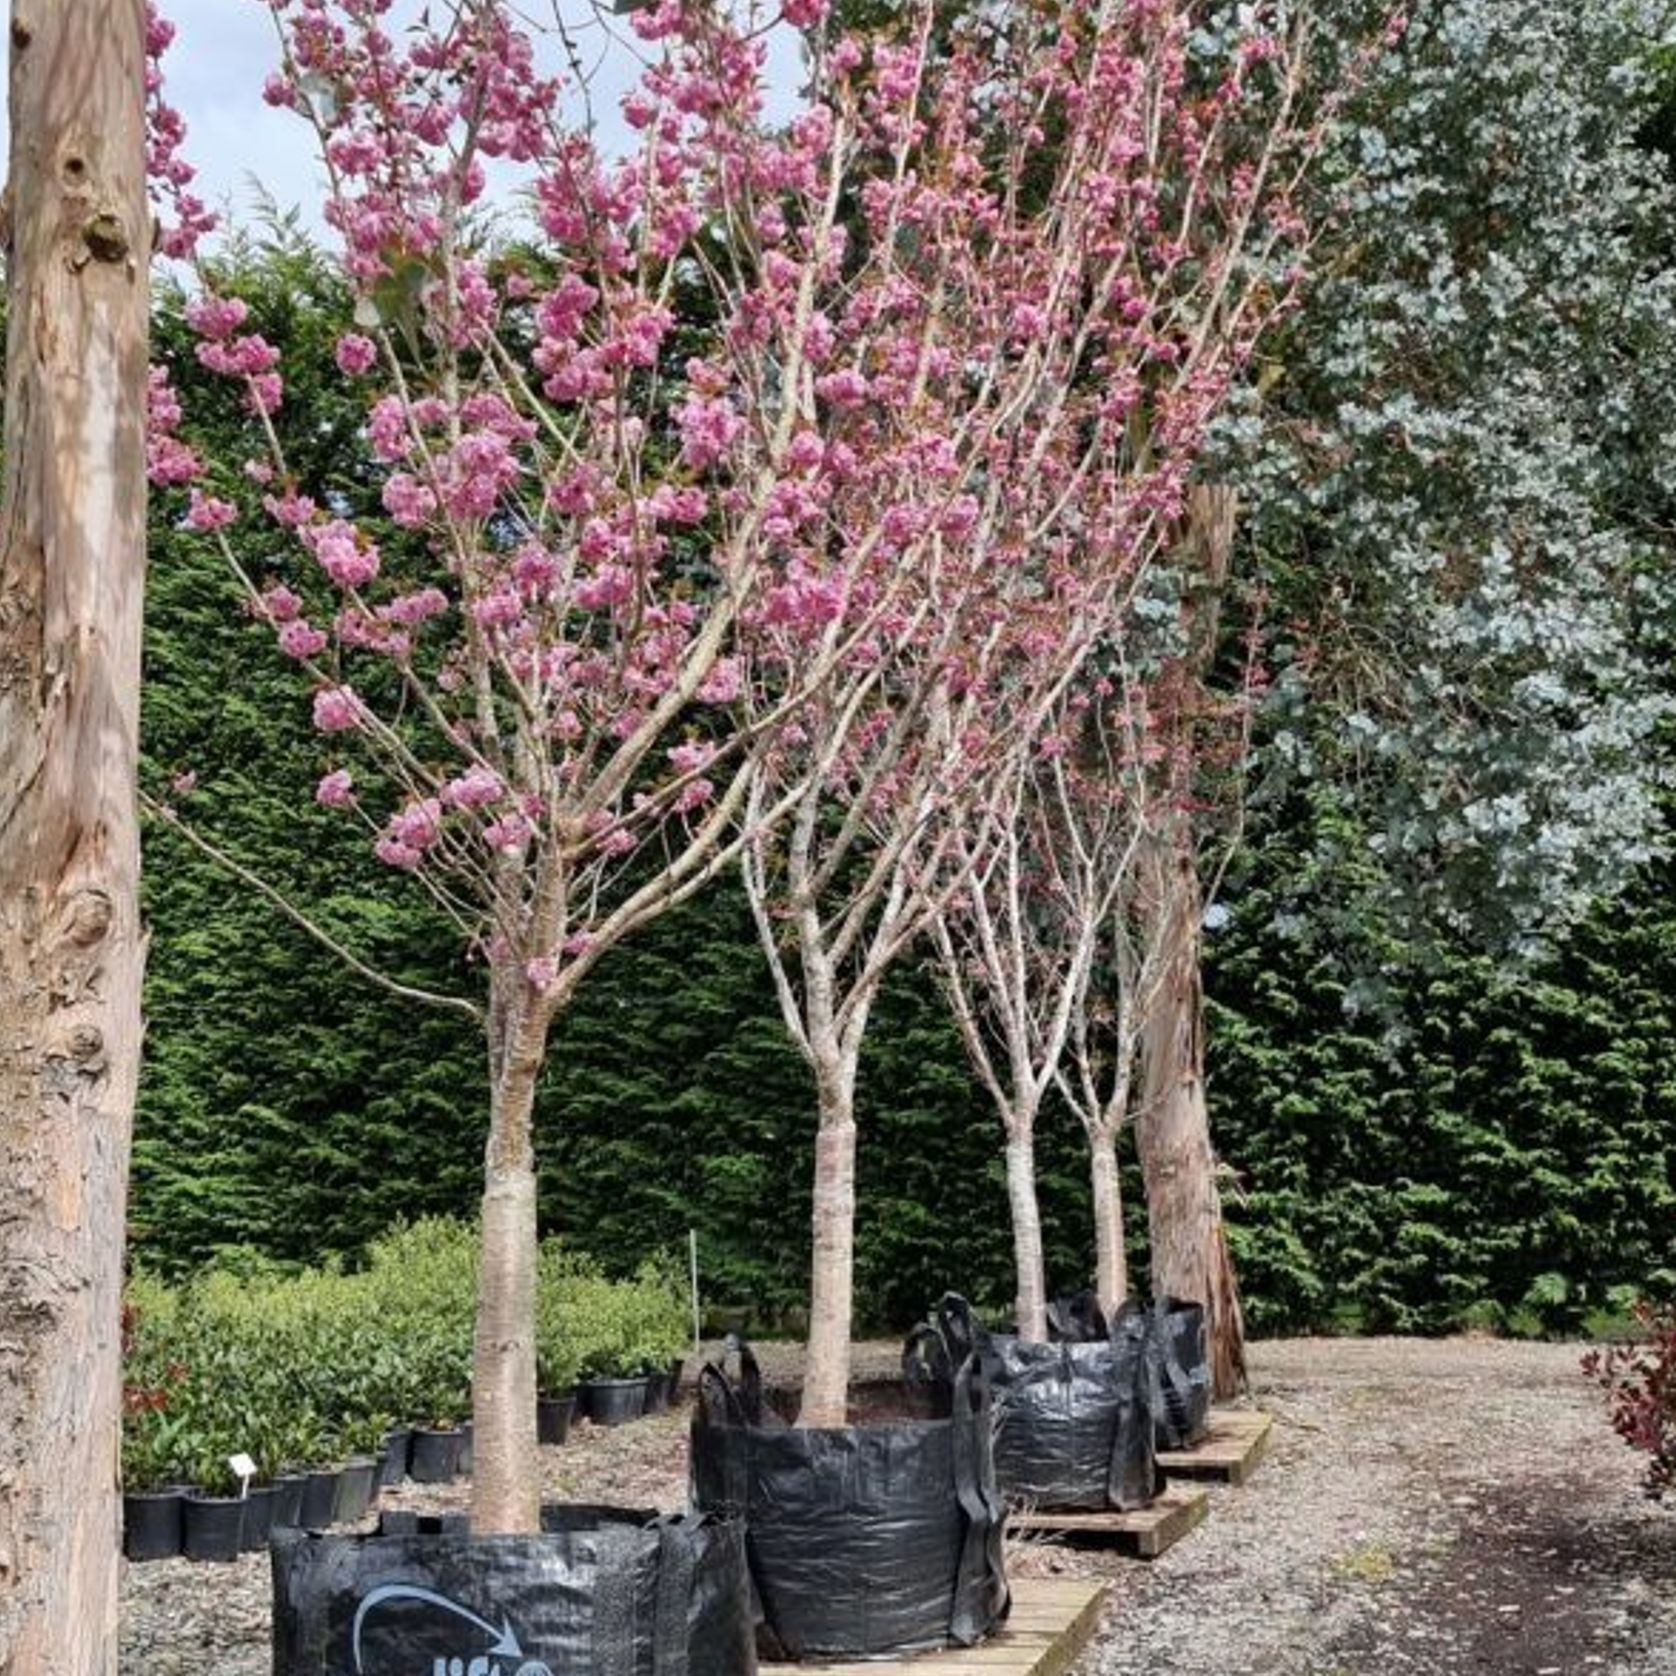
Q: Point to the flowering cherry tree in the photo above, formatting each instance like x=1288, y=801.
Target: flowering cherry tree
x=759, y=449
x=1040, y=957
x=1084, y=227
x=634, y=493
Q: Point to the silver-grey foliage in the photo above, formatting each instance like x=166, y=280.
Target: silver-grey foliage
x=1460, y=488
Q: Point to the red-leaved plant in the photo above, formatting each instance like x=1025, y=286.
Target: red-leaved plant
x=1639, y=1379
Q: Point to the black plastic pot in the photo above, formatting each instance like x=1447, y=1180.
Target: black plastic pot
x=553, y=1415
x=613, y=1402
x=673, y=1375
x=434, y=1454
x=864, y=1541
x=258, y=1518
x=356, y=1482
x=320, y=1498
x=151, y=1524
x=657, y=1393
x=462, y=1461
x=602, y=1592
x=397, y=1442
x=288, y=1488
x=212, y=1527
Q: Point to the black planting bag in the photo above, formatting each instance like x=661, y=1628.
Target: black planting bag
x=1074, y=1420
x=863, y=1541
x=1182, y=1398
x=603, y=1592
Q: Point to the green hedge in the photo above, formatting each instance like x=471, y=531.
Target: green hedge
x=1459, y=1154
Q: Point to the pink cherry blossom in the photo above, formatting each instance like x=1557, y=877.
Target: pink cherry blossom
x=301, y=640
x=345, y=555
x=356, y=355
x=206, y=514
x=337, y=710
x=336, y=790
x=477, y=788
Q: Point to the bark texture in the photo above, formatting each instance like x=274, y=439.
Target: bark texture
x=1172, y=1129
x=72, y=570
x=1030, y=1303
x=1172, y=1132
x=505, y=1486
x=1111, y=1263
x=826, y=1371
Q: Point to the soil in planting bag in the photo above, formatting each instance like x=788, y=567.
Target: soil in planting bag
x=1073, y=1421
x=864, y=1541
x=603, y=1592
x=1181, y=1364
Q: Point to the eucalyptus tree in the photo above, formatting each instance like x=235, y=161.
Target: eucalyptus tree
x=72, y=950
x=1449, y=511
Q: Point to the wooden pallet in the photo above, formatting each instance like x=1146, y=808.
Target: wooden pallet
x=1051, y=1622
x=1146, y=1533
x=1238, y=1440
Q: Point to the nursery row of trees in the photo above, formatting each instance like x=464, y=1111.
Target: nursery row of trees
x=1469, y=1154
x=1397, y=402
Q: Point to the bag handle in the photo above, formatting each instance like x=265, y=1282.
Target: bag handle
x=740, y=1401
x=677, y=1561
x=980, y=1596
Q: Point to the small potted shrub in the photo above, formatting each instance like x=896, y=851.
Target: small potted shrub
x=358, y=1476
x=655, y=1330
x=557, y=1345
x=151, y=1500
x=422, y=1285
x=151, y=1504
x=613, y=1388
x=212, y=1515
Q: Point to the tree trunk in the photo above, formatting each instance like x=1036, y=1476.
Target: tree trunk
x=1111, y=1263
x=505, y=1485
x=72, y=571
x=826, y=1369
x=1030, y=1304
x=1172, y=1129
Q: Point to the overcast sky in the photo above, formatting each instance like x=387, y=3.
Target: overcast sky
x=224, y=50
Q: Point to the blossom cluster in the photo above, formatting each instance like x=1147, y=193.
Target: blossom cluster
x=758, y=435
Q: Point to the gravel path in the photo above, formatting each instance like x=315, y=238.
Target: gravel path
x=1429, y=1508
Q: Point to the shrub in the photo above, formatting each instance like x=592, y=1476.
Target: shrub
x=1639, y=1379
x=423, y=1287
x=303, y=1367
x=562, y=1277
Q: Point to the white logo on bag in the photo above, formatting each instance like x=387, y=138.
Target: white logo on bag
x=470, y=1663
x=481, y=1666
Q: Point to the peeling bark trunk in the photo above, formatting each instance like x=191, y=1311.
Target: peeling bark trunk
x=1111, y=1262
x=1030, y=1303
x=72, y=951
x=505, y=1488
x=826, y=1369
x=1172, y=1130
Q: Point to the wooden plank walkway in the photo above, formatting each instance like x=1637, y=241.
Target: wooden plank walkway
x=1238, y=1439
x=1146, y=1533
x=1052, y=1620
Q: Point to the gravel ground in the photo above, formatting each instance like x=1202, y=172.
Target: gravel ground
x=1428, y=1508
